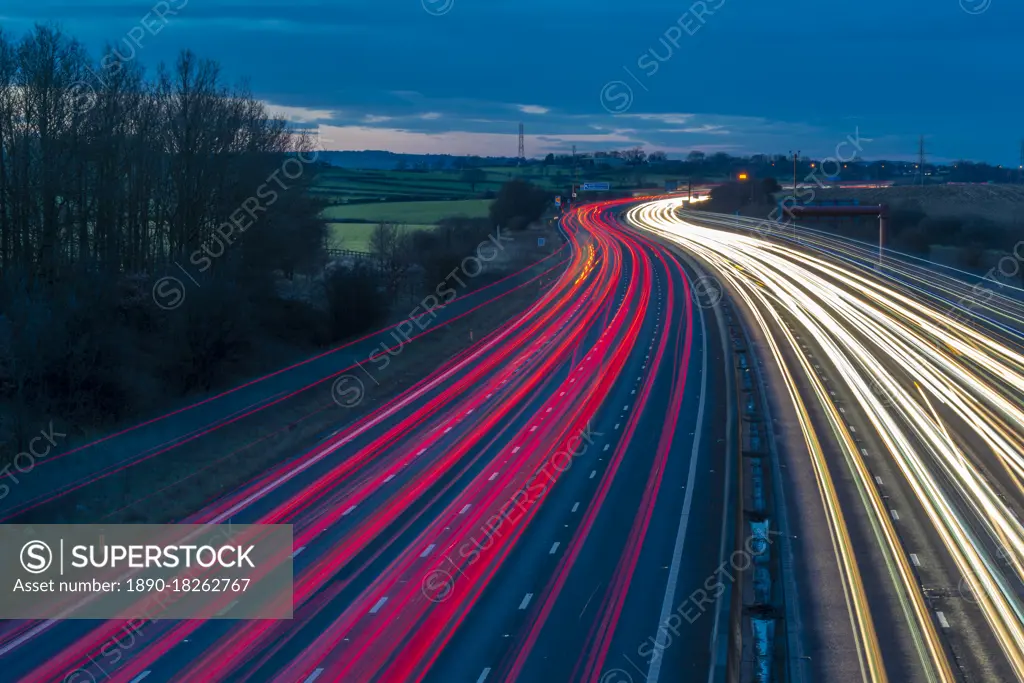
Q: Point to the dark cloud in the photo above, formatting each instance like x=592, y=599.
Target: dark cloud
x=757, y=76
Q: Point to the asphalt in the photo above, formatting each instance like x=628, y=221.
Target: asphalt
x=576, y=585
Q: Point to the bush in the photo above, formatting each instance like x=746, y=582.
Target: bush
x=355, y=300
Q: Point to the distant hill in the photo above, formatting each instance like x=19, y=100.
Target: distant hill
x=381, y=160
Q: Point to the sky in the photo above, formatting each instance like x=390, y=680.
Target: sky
x=740, y=76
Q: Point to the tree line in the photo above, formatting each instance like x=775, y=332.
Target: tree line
x=104, y=168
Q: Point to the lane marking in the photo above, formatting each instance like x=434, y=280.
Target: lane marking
x=669, y=603
x=493, y=477
x=895, y=515
x=483, y=675
x=421, y=451
x=348, y=512
x=464, y=509
x=616, y=425
x=220, y=614
x=593, y=473
x=142, y=675
x=295, y=554
x=553, y=548
x=942, y=619
x=526, y=601
x=607, y=446
x=879, y=480
x=915, y=560
x=380, y=603
x=516, y=449
x=390, y=477
x=313, y=676
x=427, y=550
x=575, y=506
x=447, y=429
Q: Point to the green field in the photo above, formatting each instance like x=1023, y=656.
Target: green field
x=356, y=236
x=413, y=213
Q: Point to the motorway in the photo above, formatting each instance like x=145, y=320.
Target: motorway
x=900, y=410
x=534, y=509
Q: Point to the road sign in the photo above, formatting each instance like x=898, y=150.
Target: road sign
x=671, y=185
x=540, y=241
x=598, y=187
x=574, y=195
x=558, y=201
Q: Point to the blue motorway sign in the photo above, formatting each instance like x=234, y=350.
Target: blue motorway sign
x=602, y=187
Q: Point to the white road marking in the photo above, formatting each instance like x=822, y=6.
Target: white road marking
x=526, y=601
x=915, y=560
x=380, y=603
x=447, y=429
x=516, y=449
x=483, y=675
x=895, y=515
x=548, y=410
x=863, y=451
x=533, y=428
x=593, y=473
x=493, y=477
x=349, y=511
x=616, y=425
x=390, y=477
x=554, y=548
x=298, y=551
x=219, y=614
x=421, y=451
x=942, y=619
x=313, y=676
x=141, y=676
x=879, y=480
x=575, y=506
x=669, y=603
x=607, y=446
x=465, y=508
x=427, y=550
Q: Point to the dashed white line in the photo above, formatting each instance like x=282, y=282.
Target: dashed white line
x=879, y=480
x=915, y=560
x=863, y=451
x=380, y=603
x=349, y=511
x=533, y=428
x=427, y=550
x=421, y=451
x=295, y=554
x=516, y=449
x=142, y=675
x=526, y=601
x=493, y=477
x=607, y=446
x=548, y=410
x=593, y=473
x=219, y=614
x=942, y=619
x=389, y=478
x=447, y=429
x=554, y=548
x=313, y=676
x=616, y=425
x=483, y=675
x=574, y=507
x=895, y=515
x=465, y=508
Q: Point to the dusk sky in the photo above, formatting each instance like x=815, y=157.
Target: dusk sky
x=457, y=76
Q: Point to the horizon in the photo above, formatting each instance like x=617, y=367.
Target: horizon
x=596, y=75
